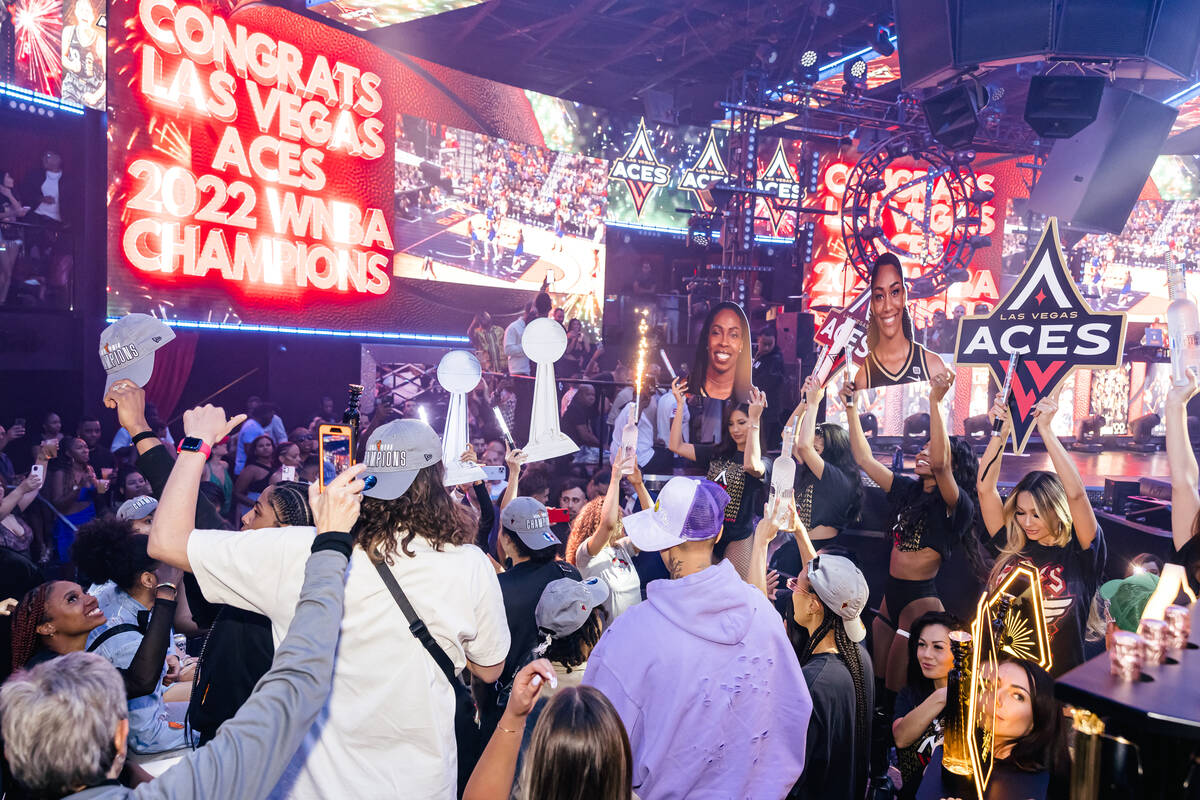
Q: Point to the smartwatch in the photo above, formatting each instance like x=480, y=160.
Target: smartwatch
x=190, y=444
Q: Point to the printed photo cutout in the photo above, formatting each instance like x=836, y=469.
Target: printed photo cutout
x=722, y=368
x=893, y=357
x=842, y=335
x=1045, y=320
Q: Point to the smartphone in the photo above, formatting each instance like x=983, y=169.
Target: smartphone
x=558, y=515
x=287, y=473
x=497, y=473
x=335, y=450
x=37, y=470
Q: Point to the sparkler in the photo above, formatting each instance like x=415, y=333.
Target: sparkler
x=629, y=434
x=38, y=25
x=504, y=428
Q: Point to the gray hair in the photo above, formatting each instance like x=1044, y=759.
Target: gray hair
x=59, y=720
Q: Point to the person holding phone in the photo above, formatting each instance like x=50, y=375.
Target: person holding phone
x=409, y=526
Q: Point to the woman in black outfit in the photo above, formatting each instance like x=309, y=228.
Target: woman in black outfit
x=935, y=512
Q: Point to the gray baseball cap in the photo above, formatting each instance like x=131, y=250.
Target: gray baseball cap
x=395, y=453
x=127, y=348
x=137, y=508
x=530, y=521
x=566, y=604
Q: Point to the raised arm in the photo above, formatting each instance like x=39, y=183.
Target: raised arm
x=752, y=456
x=1082, y=514
x=907, y=729
x=250, y=752
x=492, y=778
x=676, y=444
x=859, y=446
x=1181, y=460
x=21, y=496
x=806, y=432
x=610, y=509
x=991, y=507
x=175, y=517
x=142, y=675
x=939, y=440
x=514, y=459
x=639, y=487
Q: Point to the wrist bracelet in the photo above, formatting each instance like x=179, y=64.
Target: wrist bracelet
x=506, y=730
x=165, y=585
x=133, y=440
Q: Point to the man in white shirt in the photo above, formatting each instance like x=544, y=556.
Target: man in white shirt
x=518, y=362
x=387, y=729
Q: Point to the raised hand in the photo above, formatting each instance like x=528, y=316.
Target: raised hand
x=1044, y=411
x=999, y=411
x=1180, y=395
x=812, y=391
x=129, y=400
x=209, y=424
x=678, y=388
x=527, y=685
x=514, y=458
x=940, y=384
x=758, y=402
x=849, y=391
x=337, y=507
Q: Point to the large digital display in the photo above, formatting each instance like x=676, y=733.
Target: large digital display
x=367, y=14
x=484, y=211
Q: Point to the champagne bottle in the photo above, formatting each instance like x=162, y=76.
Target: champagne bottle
x=1183, y=324
x=629, y=439
x=783, y=468
x=350, y=415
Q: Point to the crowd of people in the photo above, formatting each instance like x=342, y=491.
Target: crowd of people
x=184, y=625
x=37, y=244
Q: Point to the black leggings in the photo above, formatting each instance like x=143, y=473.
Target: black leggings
x=898, y=593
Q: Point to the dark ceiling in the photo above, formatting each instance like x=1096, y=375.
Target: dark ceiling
x=618, y=54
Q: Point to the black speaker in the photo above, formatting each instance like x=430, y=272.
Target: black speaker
x=1166, y=33
x=952, y=115
x=1002, y=33
x=1116, y=493
x=925, y=45
x=1092, y=180
x=1060, y=107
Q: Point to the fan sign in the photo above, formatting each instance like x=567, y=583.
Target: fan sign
x=1045, y=320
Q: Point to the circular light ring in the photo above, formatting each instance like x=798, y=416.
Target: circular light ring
x=949, y=181
x=809, y=58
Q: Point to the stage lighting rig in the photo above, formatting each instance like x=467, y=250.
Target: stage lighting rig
x=944, y=181
x=807, y=69
x=854, y=74
x=882, y=42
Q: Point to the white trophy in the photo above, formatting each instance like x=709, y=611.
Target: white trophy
x=458, y=372
x=544, y=342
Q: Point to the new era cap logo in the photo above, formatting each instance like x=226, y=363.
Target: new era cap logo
x=429, y=456
x=538, y=522
x=113, y=357
x=156, y=339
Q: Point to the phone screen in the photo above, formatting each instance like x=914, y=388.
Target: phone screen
x=287, y=473
x=335, y=454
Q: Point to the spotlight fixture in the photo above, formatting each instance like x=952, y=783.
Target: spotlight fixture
x=898, y=148
x=854, y=73
x=871, y=232
x=882, y=43
x=982, y=196
x=807, y=68
x=874, y=185
x=767, y=54
x=826, y=8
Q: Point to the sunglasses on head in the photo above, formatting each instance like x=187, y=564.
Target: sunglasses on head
x=793, y=584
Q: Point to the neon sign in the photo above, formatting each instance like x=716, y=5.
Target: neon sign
x=640, y=168
x=250, y=168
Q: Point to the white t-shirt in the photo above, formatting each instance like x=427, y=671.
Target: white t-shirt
x=50, y=189
x=613, y=565
x=387, y=729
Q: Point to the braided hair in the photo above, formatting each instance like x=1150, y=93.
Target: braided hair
x=289, y=501
x=30, y=613
x=847, y=651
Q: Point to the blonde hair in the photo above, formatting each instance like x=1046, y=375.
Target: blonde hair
x=1050, y=502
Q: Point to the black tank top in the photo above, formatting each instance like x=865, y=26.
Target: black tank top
x=915, y=369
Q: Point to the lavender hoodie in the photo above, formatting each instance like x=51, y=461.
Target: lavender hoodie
x=709, y=689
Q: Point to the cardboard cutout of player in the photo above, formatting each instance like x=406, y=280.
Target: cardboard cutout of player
x=893, y=357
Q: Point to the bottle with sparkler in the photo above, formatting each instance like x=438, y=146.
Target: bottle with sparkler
x=629, y=433
x=1183, y=323
x=350, y=416
x=956, y=747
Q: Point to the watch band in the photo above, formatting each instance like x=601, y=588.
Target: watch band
x=137, y=437
x=202, y=448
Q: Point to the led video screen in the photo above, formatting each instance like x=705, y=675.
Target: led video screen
x=368, y=14
x=483, y=211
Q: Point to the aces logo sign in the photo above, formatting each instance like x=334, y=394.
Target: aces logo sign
x=780, y=180
x=1045, y=320
x=708, y=170
x=640, y=168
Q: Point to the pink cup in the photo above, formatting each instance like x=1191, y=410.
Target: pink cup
x=1154, y=632
x=1125, y=655
x=1179, y=626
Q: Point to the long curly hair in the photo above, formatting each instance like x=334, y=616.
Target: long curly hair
x=585, y=524
x=30, y=613
x=425, y=510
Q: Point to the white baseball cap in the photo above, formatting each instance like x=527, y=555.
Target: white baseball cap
x=395, y=453
x=687, y=510
x=841, y=586
x=137, y=508
x=127, y=348
x=530, y=521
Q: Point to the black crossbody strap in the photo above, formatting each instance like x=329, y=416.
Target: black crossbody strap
x=417, y=625
x=124, y=627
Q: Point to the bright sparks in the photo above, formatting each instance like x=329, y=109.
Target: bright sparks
x=38, y=25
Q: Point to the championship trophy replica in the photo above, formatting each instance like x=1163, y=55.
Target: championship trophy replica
x=458, y=372
x=544, y=342
x=1009, y=621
